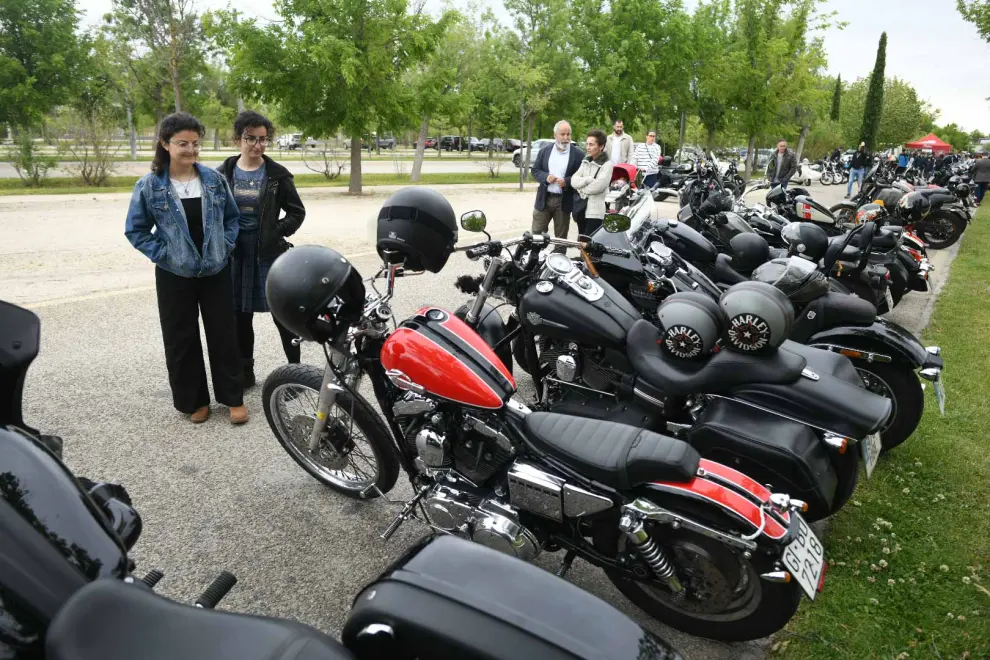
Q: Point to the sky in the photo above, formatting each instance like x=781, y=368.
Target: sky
x=928, y=44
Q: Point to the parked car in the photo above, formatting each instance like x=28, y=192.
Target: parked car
x=384, y=142
x=474, y=144
x=494, y=144
x=512, y=144
x=451, y=143
x=431, y=143
x=517, y=155
x=295, y=141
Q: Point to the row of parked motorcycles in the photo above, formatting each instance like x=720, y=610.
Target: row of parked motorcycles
x=705, y=387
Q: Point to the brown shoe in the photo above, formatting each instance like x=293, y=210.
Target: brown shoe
x=200, y=415
x=238, y=414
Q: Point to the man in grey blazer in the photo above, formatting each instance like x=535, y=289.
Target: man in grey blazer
x=553, y=168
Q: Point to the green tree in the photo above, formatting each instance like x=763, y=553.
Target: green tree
x=951, y=133
x=712, y=73
x=332, y=64
x=873, y=107
x=39, y=58
x=976, y=12
x=836, y=98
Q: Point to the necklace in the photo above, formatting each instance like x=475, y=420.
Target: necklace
x=185, y=184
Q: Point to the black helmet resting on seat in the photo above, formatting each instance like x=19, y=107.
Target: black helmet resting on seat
x=806, y=240
x=315, y=292
x=748, y=252
x=690, y=325
x=760, y=317
x=914, y=206
x=417, y=227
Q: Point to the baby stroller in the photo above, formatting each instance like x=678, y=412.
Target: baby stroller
x=620, y=190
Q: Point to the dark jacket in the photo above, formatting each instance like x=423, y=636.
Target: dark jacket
x=788, y=167
x=541, y=169
x=278, y=194
x=156, y=224
x=981, y=170
x=860, y=159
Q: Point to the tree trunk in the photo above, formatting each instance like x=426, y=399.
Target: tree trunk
x=216, y=139
x=711, y=139
x=680, y=143
x=354, y=184
x=176, y=89
x=470, y=125
x=131, y=131
x=529, y=141
x=750, y=153
x=240, y=105
x=522, y=134
x=420, y=149
x=800, y=147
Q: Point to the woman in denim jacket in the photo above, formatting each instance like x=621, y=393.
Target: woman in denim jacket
x=183, y=217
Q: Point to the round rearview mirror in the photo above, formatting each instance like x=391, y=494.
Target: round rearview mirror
x=474, y=221
x=616, y=222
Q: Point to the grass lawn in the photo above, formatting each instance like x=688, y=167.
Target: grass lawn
x=66, y=185
x=909, y=557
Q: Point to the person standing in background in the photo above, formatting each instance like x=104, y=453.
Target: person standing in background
x=183, y=217
x=647, y=159
x=620, y=144
x=553, y=168
x=981, y=176
x=784, y=165
x=263, y=189
x=857, y=168
x=591, y=182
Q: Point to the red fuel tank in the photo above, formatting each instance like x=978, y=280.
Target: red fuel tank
x=441, y=353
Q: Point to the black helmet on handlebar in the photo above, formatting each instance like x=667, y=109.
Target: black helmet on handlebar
x=315, y=292
x=417, y=226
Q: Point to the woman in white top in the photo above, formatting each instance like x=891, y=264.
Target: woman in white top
x=591, y=182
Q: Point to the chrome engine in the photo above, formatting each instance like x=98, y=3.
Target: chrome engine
x=571, y=364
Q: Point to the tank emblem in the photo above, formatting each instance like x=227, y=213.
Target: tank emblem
x=748, y=332
x=683, y=342
x=536, y=319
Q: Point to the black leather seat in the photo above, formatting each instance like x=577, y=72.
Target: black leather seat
x=826, y=363
x=111, y=620
x=615, y=455
x=886, y=239
x=724, y=370
x=725, y=273
x=831, y=310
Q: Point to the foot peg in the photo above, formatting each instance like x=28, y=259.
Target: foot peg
x=404, y=514
x=153, y=577
x=214, y=593
x=565, y=565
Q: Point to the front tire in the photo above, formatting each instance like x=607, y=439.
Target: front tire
x=726, y=600
x=826, y=178
x=899, y=383
x=290, y=397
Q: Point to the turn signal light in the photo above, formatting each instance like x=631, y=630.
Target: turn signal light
x=777, y=576
x=848, y=352
x=837, y=442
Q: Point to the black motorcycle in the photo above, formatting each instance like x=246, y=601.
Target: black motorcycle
x=67, y=589
x=591, y=353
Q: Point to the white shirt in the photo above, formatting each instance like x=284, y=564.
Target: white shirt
x=187, y=189
x=558, y=166
x=616, y=154
x=648, y=158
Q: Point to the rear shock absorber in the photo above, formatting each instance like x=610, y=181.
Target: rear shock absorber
x=654, y=555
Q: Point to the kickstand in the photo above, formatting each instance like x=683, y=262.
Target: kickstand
x=565, y=565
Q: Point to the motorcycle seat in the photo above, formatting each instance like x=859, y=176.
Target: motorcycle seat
x=824, y=362
x=616, y=455
x=112, y=620
x=886, y=239
x=723, y=370
x=831, y=310
x=725, y=273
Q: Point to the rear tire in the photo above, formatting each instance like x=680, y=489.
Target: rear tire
x=903, y=389
x=300, y=384
x=937, y=240
x=757, y=608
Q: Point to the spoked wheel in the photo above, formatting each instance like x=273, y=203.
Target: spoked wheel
x=355, y=452
x=900, y=384
x=940, y=229
x=724, y=596
x=826, y=178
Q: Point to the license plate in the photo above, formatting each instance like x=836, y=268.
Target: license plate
x=871, y=444
x=804, y=557
x=940, y=393
x=890, y=299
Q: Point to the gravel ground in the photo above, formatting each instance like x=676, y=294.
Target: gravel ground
x=216, y=497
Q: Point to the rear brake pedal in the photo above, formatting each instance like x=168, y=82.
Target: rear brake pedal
x=565, y=565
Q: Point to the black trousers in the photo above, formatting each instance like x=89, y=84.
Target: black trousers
x=245, y=338
x=180, y=302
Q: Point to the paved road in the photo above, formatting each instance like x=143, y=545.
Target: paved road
x=215, y=497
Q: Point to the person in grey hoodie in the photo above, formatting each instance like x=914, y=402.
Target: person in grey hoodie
x=591, y=182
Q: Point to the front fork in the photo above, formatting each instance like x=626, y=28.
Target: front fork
x=329, y=389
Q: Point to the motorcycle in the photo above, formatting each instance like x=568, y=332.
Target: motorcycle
x=486, y=467
x=591, y=353
x=68, y=592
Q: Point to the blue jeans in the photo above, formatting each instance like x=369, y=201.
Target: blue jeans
x=857, y=173
x=981, y=190
x=650, y=180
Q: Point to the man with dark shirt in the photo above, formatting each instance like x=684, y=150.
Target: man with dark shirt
x=857, y=168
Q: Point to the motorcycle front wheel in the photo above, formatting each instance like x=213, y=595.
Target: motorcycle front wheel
x=826, y=178
x=899, y=383
x=355, y=456
x=725, y=597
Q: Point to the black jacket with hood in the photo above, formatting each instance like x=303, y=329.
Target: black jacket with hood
x=277, y=195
